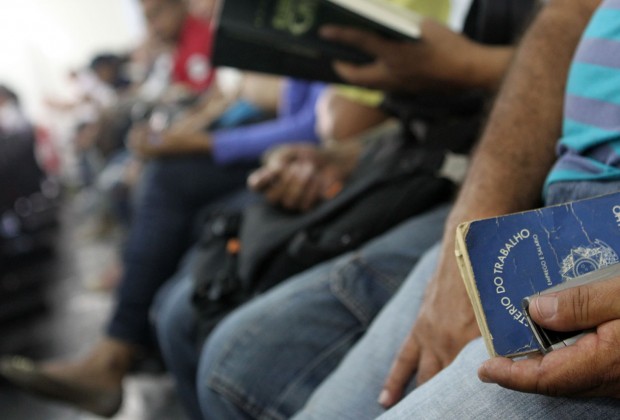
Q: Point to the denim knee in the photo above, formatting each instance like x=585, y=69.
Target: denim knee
x=266, y=359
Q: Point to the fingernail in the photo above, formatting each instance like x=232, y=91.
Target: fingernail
x=482, y=374
x=384, y=398
x=547, y=306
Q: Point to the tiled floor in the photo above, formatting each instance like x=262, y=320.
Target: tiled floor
x=70, y=321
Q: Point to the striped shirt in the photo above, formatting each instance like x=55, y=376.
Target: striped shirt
x=589, y=149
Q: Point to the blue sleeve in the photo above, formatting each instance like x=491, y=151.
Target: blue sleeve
x=295, y=123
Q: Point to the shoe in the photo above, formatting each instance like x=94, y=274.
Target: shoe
x=24, y=374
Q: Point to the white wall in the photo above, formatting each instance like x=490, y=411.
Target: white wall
x=41, y=40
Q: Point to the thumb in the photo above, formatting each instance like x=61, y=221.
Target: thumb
x=578, y=308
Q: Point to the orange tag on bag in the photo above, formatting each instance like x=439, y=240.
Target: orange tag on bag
x=333, y=190
x=233, y=246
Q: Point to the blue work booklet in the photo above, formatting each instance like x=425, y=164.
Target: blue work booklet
x=505, y=259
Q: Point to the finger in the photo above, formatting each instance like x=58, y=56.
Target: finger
x=274, y=193
x=278, y=189
x=302, y=175
x=562, y=372
x=403, y=369
x=523, y=375
x=429, y=366
x=366, y=75
x=311, y=195
x=365, y=41
x=280, y=156
x=261, y=179
x=579, y=307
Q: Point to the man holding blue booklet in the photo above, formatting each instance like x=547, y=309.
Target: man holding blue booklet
x=515, y=158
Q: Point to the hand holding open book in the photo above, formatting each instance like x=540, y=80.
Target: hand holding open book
x=375, y=44
x=282, y=36
x=441, y=60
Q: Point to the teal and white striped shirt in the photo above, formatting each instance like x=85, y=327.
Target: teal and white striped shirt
x=590, y=145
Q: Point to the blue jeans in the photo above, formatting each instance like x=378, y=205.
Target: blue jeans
x=177, y=334
x=267, y=358
x=172, y=191
x=351, y=392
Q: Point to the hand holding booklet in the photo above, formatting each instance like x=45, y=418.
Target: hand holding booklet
x=282, y=36
x=504, y=260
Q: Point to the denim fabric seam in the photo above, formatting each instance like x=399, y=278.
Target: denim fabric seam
x=234, y=395
x=348, y=300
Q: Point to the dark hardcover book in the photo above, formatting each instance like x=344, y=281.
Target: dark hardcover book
x=505, y=259
x=282, y=36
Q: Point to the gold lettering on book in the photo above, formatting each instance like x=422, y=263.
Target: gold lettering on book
x=295, y=17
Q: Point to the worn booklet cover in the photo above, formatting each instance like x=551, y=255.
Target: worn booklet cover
x=505, y=259
x=282, y=36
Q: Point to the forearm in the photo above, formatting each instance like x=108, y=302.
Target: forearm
x=484, y=69
x=250, y=142
x=517, y=148
x=189, y=142
x=340, y=118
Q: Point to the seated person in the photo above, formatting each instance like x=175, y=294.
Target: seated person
x=186, y=72
x=441, y=351
x=317, y=315
x=207, y=166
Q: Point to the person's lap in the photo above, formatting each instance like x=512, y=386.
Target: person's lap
x=351, y=392
x=267, y=358
x=456, y=392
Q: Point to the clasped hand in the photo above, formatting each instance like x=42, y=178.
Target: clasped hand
x=298, y=177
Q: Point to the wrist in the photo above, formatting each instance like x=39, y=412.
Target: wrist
x=194, y=142
x=484, y=67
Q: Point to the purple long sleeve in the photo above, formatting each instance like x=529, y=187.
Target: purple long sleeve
x=296, y=122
